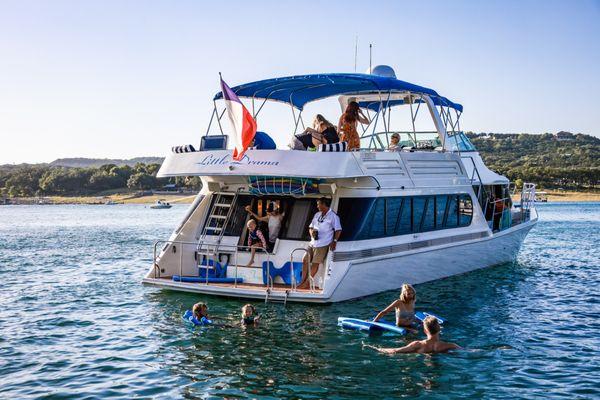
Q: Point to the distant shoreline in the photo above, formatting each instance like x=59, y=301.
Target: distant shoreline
x=175, y=198
x=188, y=198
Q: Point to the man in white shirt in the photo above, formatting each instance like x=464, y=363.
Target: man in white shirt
x=325, y=230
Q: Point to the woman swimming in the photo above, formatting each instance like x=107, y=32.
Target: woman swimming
x=404, y=306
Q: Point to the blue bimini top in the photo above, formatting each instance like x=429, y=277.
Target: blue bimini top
x=301, y=89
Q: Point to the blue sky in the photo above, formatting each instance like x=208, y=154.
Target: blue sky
x=132, y=78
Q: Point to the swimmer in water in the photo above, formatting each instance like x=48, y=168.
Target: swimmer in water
x=249, y=315
x=404, y=307
x=432, y=344
x=200, y=310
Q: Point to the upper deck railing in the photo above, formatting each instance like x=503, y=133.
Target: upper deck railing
x=416, y=141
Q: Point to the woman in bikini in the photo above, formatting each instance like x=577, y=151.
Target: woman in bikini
x=404, y=306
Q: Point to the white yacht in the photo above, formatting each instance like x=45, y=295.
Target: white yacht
x=426, y=210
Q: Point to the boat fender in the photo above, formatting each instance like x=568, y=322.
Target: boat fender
x=188, y=316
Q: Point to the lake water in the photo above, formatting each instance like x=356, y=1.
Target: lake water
x=75, y=322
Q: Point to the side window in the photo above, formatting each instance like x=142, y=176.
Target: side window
x=441, y=203
x=465, y=211
x=429, y=217
x=354, y=216
x=404, y=224
x=451, y=219
x=377, y=219
x=418, y=212
x=393, y=207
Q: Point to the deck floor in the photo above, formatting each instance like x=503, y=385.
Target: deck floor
x=277, y=287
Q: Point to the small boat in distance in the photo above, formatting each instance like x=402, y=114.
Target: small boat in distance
x=541, y=197
x=160, y=204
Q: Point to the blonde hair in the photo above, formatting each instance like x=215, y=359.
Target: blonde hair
x=198, y=308
x=408, y=293
x=431, y=324
x=321, y=120
x=250, y=222
x=247, y=306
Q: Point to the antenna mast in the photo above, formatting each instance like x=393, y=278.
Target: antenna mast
x=355, y=52
x=370, y=57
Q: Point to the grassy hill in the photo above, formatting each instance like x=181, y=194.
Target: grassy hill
x=98, y=162
x=569, y=161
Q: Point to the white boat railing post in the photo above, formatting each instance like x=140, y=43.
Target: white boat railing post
x=180, y=263
x=236, y=267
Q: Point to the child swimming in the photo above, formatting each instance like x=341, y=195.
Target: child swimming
x=404, y=306
x=200, y=310
x=249, y=315
x=432, y=344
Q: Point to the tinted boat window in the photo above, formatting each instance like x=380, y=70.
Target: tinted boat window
x=440, y=210
x=465, y=210
x=377, y=221
x=452, y=214
x=429, y=217
x=372, y=218
x=393, y=210
x=418, y=212
x=354, y=214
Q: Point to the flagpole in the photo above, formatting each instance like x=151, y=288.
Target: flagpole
x=219, y=116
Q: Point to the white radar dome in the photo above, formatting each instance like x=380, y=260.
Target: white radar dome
x=382, y=70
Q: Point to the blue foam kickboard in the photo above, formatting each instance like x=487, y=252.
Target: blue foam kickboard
x=370, y=326
x=421, y=315
x=197, y=279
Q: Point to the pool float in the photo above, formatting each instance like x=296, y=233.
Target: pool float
x=188, y=316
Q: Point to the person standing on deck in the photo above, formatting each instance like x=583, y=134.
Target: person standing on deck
x=348, y=124
x=325, y=230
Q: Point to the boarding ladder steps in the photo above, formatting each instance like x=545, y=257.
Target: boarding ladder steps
x=216, y=223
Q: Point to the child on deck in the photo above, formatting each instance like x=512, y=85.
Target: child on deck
x=256, y=239
x=432, y=344
x=404, y=306
x=249, y=315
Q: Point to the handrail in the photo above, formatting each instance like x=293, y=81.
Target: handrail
x=294, y=283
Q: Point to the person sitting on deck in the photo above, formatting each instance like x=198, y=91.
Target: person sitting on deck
x=325, y=230
x=256, y=239
x=395, y=142
x=432, y=344
x=249, y=315
x=322, y=132
x=274, y=219
x=262, y=141
x=348, y=124
x=404, y=306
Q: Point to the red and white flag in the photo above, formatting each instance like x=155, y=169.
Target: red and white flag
x=244, y=125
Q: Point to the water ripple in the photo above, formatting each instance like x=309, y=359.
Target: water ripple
x=76, y=323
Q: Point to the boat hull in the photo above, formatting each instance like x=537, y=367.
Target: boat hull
x=370, y=276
